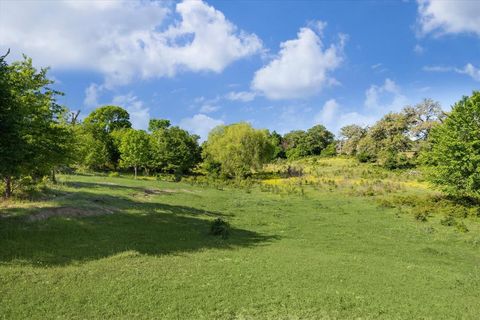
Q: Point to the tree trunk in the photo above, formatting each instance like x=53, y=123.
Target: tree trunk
x=54, y=179
x=135, y=168
x=8, y=187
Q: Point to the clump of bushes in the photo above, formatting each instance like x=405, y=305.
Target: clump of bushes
x=220, y=227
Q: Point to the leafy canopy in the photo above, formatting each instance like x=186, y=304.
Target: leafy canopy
x=238, y=149
x=454, y=155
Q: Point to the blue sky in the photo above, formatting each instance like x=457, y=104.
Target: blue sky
x=281, y=65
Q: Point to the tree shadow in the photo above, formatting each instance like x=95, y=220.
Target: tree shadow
x=114, y=225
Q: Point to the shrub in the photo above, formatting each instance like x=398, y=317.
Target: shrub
x=421, y=214
x=219, y=227
x=461, y=227
x=449, y=221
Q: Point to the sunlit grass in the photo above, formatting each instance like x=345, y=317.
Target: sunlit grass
x=297, y=250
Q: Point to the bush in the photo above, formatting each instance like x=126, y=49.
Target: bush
x=448, y=221
x=219, y=227
x=421, y=214
x=461, y=227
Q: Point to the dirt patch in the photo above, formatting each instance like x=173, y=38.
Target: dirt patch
x=151, y=192
x=70, y=212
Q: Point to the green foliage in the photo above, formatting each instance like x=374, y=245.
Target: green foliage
x=350, y=137
x=277, y=142
x=174, y=150
x=238, y=148
x=156, y=124
x=387, y=141
x=99, y=149
x=109, y=118
x=330, y=150
x=134, y=149
x=34, y=140
x=299, y=144
x=454, y=155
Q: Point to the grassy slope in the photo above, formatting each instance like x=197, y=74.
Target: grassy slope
x=321, y=255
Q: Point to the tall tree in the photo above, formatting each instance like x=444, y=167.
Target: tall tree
x=299, y=143
x=156, y=124
x=454, y=157
x=174, y=150
x=97, y=130
x=387, y=141
x=350, y=137
x=34, y=140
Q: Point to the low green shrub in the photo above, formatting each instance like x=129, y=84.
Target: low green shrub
x=448, y=221
x=220, y=227
x=421, y=214
x=461, y=227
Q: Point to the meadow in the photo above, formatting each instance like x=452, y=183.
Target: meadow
x=312, y=239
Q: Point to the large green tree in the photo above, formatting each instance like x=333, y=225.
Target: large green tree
x=97, y=144
x=33, y=138
x=350, y=137
x=454, y=156
x=238, y=149
x=387, y=141
x=174, y=150
x=299, y=143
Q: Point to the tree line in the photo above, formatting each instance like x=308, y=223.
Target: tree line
x=40, y=137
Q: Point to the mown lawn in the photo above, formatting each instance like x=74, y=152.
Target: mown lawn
x=123, y=248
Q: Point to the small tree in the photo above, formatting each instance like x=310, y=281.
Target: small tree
x=134, y=149
x=454, y=157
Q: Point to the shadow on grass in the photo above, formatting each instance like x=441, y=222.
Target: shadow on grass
x=150, y=228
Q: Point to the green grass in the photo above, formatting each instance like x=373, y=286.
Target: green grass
x=148, y=254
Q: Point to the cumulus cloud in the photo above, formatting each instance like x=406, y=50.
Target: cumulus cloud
x=244, y=96
x=302, y=68
x=386, y=97
x=200, y=124
x=124, y=40
x=139, y=114
x=442, y=17
x=469, y=70
x=334, y=117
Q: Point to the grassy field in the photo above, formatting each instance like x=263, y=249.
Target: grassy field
x=322, y=246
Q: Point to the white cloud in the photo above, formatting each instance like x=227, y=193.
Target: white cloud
x=442, y=17
x=418, y=49
x=92, y=93
x=139, y=115
x=244, y=96
x=469, y=69
x=200, y=124
x=302, y=67
x=124, y=40
x=387, y=97
x=208, y=108
x=328, y=112
x=333, y=117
